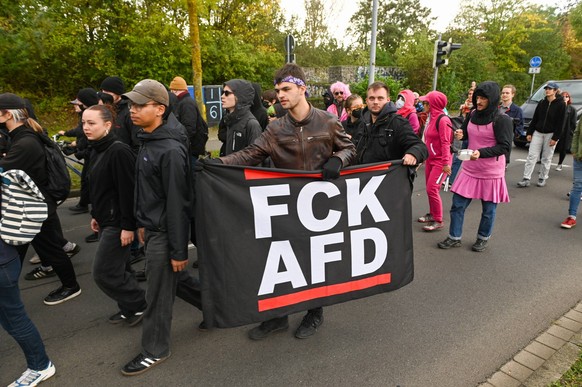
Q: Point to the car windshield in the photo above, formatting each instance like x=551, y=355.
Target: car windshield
x=574, y=88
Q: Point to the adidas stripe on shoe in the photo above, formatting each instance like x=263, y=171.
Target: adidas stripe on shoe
x=33, y=378
x=141, y=364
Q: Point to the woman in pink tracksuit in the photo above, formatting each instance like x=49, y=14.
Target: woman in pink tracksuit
x=438, y=165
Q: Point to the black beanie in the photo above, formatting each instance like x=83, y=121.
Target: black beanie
x=114, y=85
x=9, y=101
x=88, y=97
x=105, y=98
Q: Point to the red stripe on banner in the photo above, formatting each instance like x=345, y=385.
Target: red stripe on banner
x=253, y=174
x=325, y=291
x=372, y=168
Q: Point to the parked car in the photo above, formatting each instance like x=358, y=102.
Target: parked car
x=572, y=86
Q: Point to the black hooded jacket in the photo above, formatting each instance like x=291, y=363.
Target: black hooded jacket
x=239, y=129
x=502, y=123
x=163, y=187
x=549, y=117
x=389, y=138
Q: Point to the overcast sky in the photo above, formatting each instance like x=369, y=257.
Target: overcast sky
x=444, y=11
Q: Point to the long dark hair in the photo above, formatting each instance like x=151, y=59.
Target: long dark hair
x=566, y=94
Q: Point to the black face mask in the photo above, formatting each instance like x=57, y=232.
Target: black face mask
x=266, y=104
x=357, y=113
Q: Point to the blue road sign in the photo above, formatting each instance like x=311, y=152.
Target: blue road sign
x=536, y=61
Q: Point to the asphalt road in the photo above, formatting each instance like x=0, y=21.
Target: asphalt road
x=464, y=315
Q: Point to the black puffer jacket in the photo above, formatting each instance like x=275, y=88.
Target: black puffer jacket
x=549, y=117
x=240, y=128
x=163, y=192
x=112, y=180
x=389, y=138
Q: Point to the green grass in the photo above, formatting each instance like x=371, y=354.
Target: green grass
x=573, y=377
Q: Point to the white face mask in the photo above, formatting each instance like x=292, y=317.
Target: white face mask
x=399, y=103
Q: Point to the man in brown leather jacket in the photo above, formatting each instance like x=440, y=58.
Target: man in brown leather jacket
x=305, y=138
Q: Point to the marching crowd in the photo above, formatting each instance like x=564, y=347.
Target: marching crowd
x=143, y=148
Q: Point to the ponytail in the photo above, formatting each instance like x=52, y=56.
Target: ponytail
x=31, y=123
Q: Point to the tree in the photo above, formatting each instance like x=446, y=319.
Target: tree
x=397, y=22
x=196, y=57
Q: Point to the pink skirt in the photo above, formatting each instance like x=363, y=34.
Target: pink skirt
x=490, y=189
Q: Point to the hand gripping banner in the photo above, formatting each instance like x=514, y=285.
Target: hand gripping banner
x=273, y=242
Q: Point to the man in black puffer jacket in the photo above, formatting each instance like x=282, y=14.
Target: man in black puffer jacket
x=384, y=135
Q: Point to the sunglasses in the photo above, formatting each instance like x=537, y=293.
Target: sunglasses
x=338, y=93
x=356, y=107
x=227, y=92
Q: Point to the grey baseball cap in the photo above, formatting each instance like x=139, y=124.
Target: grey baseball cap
x=148, y=90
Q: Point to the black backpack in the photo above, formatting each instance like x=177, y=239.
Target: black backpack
x=59, y=180
x=456, y=123
x=198, y=140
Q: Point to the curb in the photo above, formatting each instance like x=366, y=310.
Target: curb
x=546, y=358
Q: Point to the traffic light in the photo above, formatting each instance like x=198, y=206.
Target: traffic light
x=442, y=49
x=452, y=46
x=439, y=52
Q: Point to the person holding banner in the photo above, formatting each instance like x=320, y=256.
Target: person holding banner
x=305, y=139
x=384, y=135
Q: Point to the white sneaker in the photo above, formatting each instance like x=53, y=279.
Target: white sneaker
x=34, y=260
x=559, y=167
x=33, y=378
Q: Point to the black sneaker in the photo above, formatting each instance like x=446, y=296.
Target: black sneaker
x=116, y=318
x=268, y=327
x=62, y=294
x=39, y=273
x=202, y=327
x=79, y=209
x=134, y=319
x=92, y=238
x=479, y=245
x=448, y=243
x=312, y=320
x=74, y=251
x=141, y=364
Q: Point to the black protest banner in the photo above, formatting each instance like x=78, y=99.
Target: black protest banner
x=273, y=242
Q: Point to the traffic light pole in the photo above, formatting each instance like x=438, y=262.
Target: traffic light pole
x=372, y=69
x=436, y=72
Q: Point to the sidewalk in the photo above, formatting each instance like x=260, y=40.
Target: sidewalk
x=546, y=358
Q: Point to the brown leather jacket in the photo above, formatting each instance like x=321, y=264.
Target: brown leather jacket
x=304, y=145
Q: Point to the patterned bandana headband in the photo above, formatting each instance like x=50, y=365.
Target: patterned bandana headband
x=291, y=79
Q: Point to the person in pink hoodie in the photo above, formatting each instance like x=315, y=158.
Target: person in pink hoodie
x=438, y=165
x=405, y=105
x=341, y=92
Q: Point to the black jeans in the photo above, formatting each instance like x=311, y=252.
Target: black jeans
x=47, y=244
